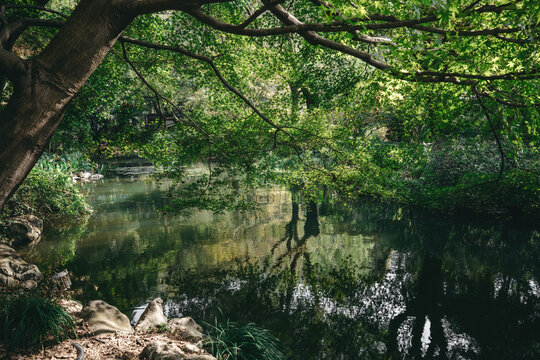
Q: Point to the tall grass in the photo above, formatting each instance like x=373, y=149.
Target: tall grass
x=231, y=341
x=27, y=321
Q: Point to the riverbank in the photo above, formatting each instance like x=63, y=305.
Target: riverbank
x=98, y=336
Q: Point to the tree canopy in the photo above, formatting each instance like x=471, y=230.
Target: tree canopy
x=410, y=100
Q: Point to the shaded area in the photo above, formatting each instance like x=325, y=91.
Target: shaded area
x=371, y=281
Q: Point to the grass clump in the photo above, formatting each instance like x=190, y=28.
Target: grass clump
x=232, y=341
x=27, y=321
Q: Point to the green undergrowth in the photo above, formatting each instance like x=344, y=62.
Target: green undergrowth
x=48, y=191
x=231, y=341
x=28, y=321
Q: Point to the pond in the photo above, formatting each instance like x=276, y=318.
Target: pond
x=369, y=281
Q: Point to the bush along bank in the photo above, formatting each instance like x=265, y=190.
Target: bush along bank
x=49, y=190
x=66, y=329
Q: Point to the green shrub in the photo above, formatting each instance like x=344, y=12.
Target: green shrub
x=232, y=341
x=27, y=321
x=46, y=193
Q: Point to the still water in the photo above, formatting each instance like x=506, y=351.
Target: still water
x=371, y=281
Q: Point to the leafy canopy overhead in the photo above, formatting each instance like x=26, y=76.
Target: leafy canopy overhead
x=352, y=94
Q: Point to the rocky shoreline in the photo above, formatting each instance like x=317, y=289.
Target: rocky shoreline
x=103, y=332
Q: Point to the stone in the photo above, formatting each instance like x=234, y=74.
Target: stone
x=200, y=357
x=161, y=351
x=85, y=174
x=152, y=316
x=15, y=272
x=185, y=329
x=61, y=281
x=104, y=318
x=72, y=307
x=25, y=230
x=95, y=177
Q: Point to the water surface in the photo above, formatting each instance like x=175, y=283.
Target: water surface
x=372, y=281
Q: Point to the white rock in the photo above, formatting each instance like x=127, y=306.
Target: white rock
x=104, y=318
x=152, y=316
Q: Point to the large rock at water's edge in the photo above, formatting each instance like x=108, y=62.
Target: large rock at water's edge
x=104, y=318
x=152, y=316
x=24, y=230
x=15, y=272
x=185, y=329
x=162, y=351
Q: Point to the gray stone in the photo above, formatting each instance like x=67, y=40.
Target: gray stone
x=152, y=316
x=24, y=230
x=185, y=329
x=95, y=177
x=61, y=281
x=85, y=174
x=15, y=272
x=161, y=351
x=104, y=318
x=72, y=307
x=200, y=357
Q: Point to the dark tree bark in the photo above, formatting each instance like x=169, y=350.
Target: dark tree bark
x=45, y=84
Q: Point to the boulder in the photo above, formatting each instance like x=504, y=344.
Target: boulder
x=152, y=316
x=61, y=281
x=24, y=230
x=85, y=174
x=104, y=318
x=185, y=329
x=95, y=177
x=71, y=306
x=15, y=272
x=200, y=357
x=162, y=351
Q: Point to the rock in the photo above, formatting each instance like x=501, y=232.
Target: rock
x=25, y=230
x=72, y=307
x=161, y=351
x=61, y=281
x=152, y=315
x=185, y=329
x=95, y=177
x=85, y=174
x=200, y=357
x=15, y=272
x=104, y=318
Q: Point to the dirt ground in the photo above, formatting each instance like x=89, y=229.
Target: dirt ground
x=106, y=346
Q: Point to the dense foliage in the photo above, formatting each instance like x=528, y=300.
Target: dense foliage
x=451, y=122
x=49, y=190
x=228, y=340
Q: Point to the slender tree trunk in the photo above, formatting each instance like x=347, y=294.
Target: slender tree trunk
x=48, y=82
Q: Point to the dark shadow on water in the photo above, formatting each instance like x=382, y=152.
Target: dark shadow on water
x=374, y=281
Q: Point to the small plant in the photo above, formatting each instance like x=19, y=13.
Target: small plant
x=161, y=328
x=231, y=341
x=27, y=321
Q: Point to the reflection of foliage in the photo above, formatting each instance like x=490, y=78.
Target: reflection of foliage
x=59, y=246
x=27, y=321
x=228, y=340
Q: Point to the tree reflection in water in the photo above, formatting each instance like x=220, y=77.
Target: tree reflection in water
x=369, y=282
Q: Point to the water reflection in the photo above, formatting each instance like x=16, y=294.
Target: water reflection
x=370, y=282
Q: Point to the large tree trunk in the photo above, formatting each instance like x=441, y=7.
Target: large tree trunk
x=48, y=82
